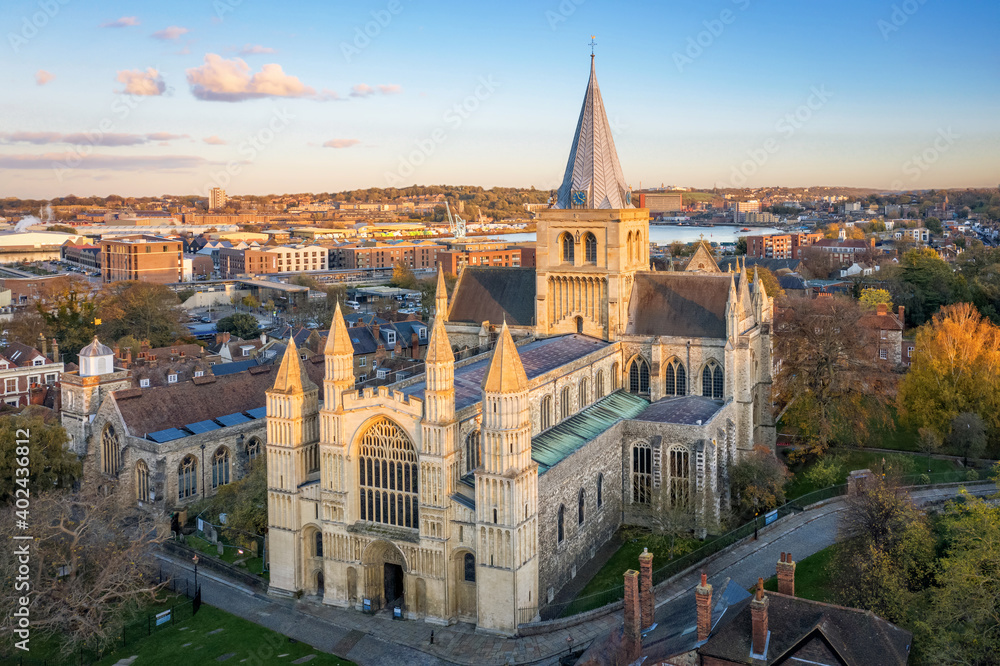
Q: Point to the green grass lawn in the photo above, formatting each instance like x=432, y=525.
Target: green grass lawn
x=852, y=459
x=230, y=554
x=212, y=633
x=813, y=578
x=595, y=594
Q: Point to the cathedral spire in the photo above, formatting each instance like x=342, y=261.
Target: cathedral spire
x=441, y=297
x=439, y=348
x=506, y=373
x=292, y=377
x=593, y=177
x=338, y=341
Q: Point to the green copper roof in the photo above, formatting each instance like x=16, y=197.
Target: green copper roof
x=553, y=445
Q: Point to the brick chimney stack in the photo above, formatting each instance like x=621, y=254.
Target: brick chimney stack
x=647, y=600
x=786, y=575
x=902, y=319
x=881, y=309
x=55, y=351
x=43, y=345
x=631, y=633
x=703, y=599
x=758, y=615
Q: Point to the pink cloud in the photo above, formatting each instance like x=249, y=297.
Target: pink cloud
x=42, y=77
x=86, y=138
x=362, y=90
x=341, y=143
x=167, y=34
x=365, y=90
x=214, y=140
x=123, y=22
x=390, y=89
x=166, y=136
x=73, y=159
x=224, y=80
x=138, y=82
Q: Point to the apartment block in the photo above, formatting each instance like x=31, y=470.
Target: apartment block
x=780, y=246
x=234, y=262
x=143, y=258
x=414, y=254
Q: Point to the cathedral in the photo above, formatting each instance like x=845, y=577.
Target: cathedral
x=474, y=492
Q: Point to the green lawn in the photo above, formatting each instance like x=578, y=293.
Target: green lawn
x=595, y=594
x=813, y=578
x=212, y=633
x=853, y=459
x=230, y=554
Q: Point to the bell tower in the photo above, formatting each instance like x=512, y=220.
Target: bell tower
x=506, y=495
x=592, y=241
x=292, y=456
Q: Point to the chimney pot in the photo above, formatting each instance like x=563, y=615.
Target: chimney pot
x=703, y=603
x=647, y=602
x=758, y=616
x=786, y=575
x=631, y=633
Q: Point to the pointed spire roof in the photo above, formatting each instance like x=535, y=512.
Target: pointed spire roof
x=441, y=297
x=506, y=373
x=439, y=347
x=593, y=162
x=338, y=341
x=292, y=377
x=702, y=261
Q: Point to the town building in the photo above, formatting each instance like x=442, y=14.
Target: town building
x=740, y=209
x=845, y=252
x=242, y=261
x=27, y=373
x=217, y=198
x=83, y=254
x=659, y=203
x=780, y=246
x=142, y=257
x=475, y=491
x=416, y=255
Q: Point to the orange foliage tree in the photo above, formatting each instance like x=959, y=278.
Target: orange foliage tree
x=955, y=369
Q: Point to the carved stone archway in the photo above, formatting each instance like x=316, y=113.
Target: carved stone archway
x=385, y=569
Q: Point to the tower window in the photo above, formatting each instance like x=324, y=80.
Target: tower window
x=469, y=564
x=638, y=376
x=711, y=381
x=388, y=475
x=568, y=248
x=590, y=248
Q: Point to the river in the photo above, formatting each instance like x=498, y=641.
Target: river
x=662, y=234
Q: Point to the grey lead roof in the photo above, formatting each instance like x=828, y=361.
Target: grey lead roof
x=593, y=163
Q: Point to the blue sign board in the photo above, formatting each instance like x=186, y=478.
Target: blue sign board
x=770, y=517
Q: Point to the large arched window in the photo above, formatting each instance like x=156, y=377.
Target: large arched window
x=600, y=490
x=675, y=379
x=638, y=376
x=472, y=456
x=388, y=475
x=711, y=381
x=220, y=467
x=580, y=507
x=560, y=528
x=590, y=248
x=141, y=481
x=616, y=377
x=568, y=248
x=680, y=477
x=187, y=477
x=565, y=404
x=599, y=385
x=254, y=449
x=111, y=451
x=642, y=473
x=545, y=418
x=583, y=393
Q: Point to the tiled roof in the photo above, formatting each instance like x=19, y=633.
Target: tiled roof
x=495, y=295
x=682, y=304
x=555, y=444
x=686, y=410
x=537, y=357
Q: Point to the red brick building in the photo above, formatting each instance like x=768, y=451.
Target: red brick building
x=780, y=246
x=142, y=257
x=380, y=254
x=26, y=372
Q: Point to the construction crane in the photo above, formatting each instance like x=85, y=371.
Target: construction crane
x=456, y=224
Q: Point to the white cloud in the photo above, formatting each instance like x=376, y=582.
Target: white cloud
x=224, y=80
x=365, y=90
x=256, y=49
x=87, y=138
x=341, y=143
x=42, y=77
x=173, y=32
x=390, y=89
x=116, y=162
x=123, y=22
x=362, y=90
x=138, y=82
x=214, y=140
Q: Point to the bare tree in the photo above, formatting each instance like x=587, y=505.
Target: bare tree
x=88, y=571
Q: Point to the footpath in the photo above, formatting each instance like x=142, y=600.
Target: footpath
x=381, y=641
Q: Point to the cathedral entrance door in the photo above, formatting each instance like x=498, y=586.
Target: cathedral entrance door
x=393, y=582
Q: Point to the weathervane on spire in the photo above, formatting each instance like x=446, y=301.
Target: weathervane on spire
x=593, y=43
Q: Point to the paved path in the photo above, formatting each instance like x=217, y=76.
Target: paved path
x=381, y=641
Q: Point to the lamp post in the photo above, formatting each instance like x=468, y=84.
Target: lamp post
x=195, y=559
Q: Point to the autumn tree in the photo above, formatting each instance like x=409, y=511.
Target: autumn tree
x=923, y=283
x=26, y=327
x=872, y=297
x=887, y=549
x=968, y=436
x=244, y=502
x=771, y=286
x=403, y=277
x=240, y=325
x=90, y=567
x=143, y=310
x=69, y=316
x=954, y=369
x=50, y=463
x=831, y=383
x=758, y=481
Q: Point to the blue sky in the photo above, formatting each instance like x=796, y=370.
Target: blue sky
x=725, y=92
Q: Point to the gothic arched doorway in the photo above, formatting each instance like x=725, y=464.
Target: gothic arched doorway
x=385, y=569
